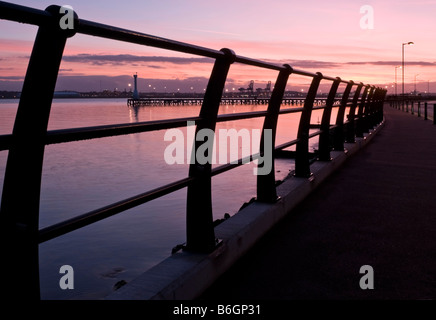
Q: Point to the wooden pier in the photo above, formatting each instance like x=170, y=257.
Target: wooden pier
x=174, y=101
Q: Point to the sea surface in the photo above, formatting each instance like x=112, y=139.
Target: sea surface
x=82, y=176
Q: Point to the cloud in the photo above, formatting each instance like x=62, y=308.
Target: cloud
x=129, y=59
x=213, y=32
x=393, y=63
x=11, y=78
x=320, y=65
x=156, y=67
x=312, y=64
x=306, y=64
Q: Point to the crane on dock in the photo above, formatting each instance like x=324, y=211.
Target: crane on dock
x=266, y=91
x=250, y=88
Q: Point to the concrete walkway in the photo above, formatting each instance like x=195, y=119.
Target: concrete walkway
x=379, y=209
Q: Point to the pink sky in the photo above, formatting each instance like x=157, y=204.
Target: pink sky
x=323, y=36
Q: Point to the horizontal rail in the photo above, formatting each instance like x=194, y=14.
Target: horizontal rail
x=22, y=14
x=113, y=33
x=83, y=220
x=87, y=133
x=110, y=32
x=258, y=63
x=314, y=134
x=287, y=144
x=290, y=110
x=80, y=221
x=94, y=132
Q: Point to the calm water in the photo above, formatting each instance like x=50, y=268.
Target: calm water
x=83, y=176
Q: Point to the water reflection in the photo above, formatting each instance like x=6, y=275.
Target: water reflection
x=83, y=176
x=133, y=112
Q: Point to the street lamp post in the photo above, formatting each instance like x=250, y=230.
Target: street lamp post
x=402, y=67
x=396, y=79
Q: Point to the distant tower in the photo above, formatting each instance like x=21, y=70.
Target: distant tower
x=135, y=91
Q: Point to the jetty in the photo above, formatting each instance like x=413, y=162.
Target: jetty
x=187, y=101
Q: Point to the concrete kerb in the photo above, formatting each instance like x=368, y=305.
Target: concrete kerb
x=185, y=275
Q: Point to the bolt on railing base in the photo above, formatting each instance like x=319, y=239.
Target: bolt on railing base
x=324, y=159
x=202, y=249
x=306, y=175
x=271, y=200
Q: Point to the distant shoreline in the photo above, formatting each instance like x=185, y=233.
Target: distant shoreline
x=15, y=95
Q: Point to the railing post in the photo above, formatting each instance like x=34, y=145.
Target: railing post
x=324, y=138
x=419, y=109
x=434, y=113
x=379, y=97
x=200, y=234
x=351, y=115
x=370, y=109
x=266, y=188
x=380, y=105
x=302, y=165
x=339, y=133
x=375, y=108
x=22, y=182
x=364, y=101
x=425, y=111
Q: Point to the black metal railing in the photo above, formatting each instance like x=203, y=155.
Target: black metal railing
x=421, y=103
x=21, y=192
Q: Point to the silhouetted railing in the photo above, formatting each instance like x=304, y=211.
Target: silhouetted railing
x=21, y=192
x=414, y=104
